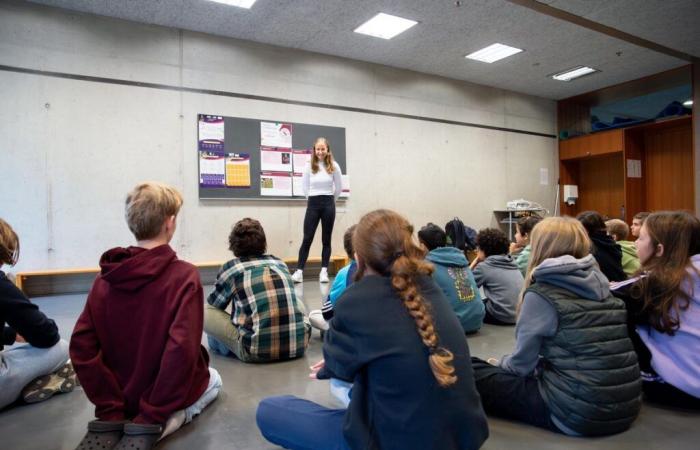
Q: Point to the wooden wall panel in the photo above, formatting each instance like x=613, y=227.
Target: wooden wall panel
x=601, y=185
x=669, y=167
x=592, y=145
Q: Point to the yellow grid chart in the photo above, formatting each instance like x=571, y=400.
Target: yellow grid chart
x=237, y=173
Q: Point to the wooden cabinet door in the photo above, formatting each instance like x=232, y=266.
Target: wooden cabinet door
x=602, y=143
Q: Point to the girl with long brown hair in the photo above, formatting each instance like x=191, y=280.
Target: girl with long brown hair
x=322, y=183
x=573, y=369
x=396, y=337
x=664, y=303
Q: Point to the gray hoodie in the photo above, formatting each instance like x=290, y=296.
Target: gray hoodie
x=538, y=319
x=502, y=283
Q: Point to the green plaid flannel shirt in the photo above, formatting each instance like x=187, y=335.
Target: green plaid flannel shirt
x=269, y=317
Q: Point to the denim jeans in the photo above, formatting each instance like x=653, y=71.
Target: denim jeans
x=22, y=363
x=299, y=424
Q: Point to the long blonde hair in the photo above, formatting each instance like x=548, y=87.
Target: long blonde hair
x=383, y=240
x=553, y=237
x=327, y=160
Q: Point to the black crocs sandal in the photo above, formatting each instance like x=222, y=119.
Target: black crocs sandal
x=102, y=435
x=43, y=388
x=139, y=436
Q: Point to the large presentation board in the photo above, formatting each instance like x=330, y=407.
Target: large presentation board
x=253, y=159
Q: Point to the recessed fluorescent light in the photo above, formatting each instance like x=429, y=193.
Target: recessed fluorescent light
x=688, y=103
x=571, y=74
x=240, y=3
x=493, y=53
x=385, y=26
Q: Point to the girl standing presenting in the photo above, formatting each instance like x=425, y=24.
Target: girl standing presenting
x=322, y=183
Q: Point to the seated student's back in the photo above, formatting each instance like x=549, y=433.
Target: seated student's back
x=619, y=231
x=455, y=278
x=499, y=276
x=267, y=321
x=136, y=346
x=395, y=335
x=605, y=250
x=573, y=368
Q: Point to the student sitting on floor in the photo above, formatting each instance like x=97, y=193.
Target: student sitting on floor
x=605, y=250
x=136, y=346
x=619, y=231
x=520, y=249
x=665, y=306
x=396, y=336
x=39, y=351
x=267, y=322
x=345, y=277
x=455, y=278
x=495, y=271
x=573, y=369
x=637, y=222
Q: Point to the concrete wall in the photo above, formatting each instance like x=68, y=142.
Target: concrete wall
x=71, y=149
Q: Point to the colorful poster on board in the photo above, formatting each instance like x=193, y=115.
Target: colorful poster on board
x=212, y=169
x=300, y=159
x=275, y=134
x=297, y=184
x=275, y=183
x=238, y=170
x=274, y=159
x=210, y=133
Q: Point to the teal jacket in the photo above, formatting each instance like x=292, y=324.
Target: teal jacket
x=457, y=282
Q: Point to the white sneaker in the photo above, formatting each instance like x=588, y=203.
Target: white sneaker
x=323, y=276
x=298, y=276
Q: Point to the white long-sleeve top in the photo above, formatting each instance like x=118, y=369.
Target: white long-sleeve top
x=322, y=183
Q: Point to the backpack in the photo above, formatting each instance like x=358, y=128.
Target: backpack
x=461, y=236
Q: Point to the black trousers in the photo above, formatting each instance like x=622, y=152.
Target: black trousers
x=504, y=394
x=320, y=208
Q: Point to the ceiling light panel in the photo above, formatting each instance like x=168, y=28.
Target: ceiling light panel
x=385, y=26
x=576, y=72
x=239, y=3
x=493, y=53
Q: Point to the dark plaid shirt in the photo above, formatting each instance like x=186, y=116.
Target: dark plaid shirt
x=269, y=317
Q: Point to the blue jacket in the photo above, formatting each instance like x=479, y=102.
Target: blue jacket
x=457, y=282
x=342, y=280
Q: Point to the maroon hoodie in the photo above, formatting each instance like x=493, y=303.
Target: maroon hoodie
x=136, y=347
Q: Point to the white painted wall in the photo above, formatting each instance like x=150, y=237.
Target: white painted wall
x=71, y=150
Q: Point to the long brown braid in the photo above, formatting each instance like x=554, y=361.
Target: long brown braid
x=383, y=240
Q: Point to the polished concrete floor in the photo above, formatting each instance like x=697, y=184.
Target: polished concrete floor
x=229, y=423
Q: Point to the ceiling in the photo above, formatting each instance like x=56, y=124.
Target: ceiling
x=446, y=32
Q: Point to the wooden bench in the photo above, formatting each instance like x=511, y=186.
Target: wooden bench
x=79, y=280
